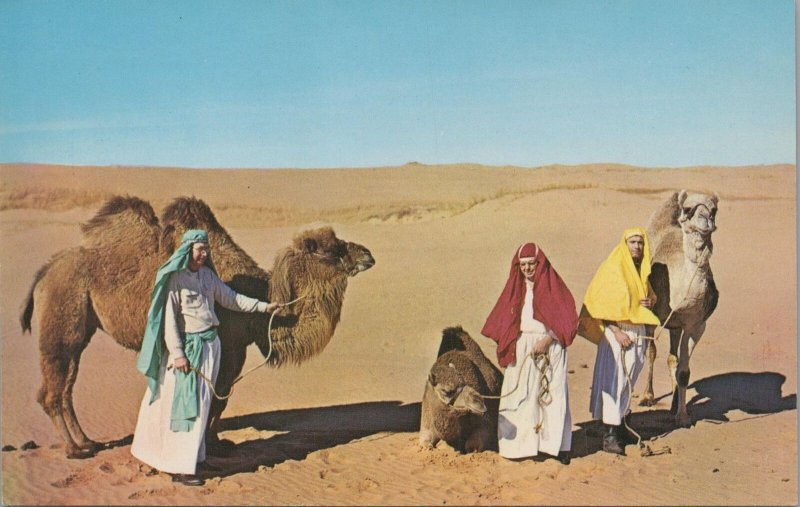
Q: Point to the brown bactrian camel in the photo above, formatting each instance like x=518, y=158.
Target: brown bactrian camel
x=453, y=407
x=680, y=238
x=105, y=283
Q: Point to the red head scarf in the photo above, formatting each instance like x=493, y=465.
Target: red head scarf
x=553, y=305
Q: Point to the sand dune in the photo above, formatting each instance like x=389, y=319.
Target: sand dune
x=341, y=429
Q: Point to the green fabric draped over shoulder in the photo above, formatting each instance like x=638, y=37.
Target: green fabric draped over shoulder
x=152, y=352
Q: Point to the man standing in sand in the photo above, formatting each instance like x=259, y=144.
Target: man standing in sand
x=533, y=323
x=614, y=314
x=170, y=431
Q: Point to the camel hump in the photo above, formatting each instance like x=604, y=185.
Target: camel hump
x=666, y=215
x=455, y=338
x=186, y=213
x=190, y=213
x=122, y=219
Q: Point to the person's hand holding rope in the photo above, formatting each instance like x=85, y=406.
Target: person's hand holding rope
x=541, y=346
x=275, y=307
x=182, y=365
x=621, y=336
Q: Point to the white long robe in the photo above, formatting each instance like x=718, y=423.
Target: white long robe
x=189, y=307
x=520, y=412
x=610, y=388
x=175, y=452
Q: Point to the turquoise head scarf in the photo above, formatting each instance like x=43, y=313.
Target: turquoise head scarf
x=152, y=352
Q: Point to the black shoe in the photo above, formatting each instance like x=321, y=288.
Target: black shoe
x=188, y=479
x=611, y=442
x=564, y=457
x=205, y=466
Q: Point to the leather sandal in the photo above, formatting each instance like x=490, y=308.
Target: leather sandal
x=188, y=479
x=611, y=441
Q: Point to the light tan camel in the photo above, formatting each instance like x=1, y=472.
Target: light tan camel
x=106, y=282
x=680, y=238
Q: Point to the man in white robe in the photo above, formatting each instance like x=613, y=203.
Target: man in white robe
x=183, y=313
x=616, y=308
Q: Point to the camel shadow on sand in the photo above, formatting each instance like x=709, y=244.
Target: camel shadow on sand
x=299, y=432
x=752, y=393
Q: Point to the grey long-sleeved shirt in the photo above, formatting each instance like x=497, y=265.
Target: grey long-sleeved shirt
x=190, y=301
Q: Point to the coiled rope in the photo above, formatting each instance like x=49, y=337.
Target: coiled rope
x=542, y=363
x=644, y=449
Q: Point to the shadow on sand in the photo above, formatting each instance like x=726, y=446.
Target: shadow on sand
x=300, y=432
x=752, y=393
x=303, y=431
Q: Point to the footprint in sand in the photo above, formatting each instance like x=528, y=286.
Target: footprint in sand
x=151, y=493
x=363, y=485
x=71, y=480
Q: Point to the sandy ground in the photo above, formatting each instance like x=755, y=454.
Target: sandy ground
x=342, y=428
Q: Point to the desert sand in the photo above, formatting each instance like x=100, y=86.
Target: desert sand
x=341, y=429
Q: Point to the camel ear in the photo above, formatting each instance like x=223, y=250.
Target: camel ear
x=310, y=245
x=682, y=197
x=431, y=379
x=715, y=198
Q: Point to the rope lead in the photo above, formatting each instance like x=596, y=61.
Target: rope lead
x=243, y=375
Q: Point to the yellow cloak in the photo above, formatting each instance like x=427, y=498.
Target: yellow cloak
x=616, y=289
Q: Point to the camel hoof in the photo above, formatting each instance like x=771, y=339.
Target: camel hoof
x=683, y=421
x=647, y=401
x=92, y=446
x=80, y=454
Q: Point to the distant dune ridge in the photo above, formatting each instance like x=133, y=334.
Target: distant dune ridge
x=411, y=192
x=342, y=429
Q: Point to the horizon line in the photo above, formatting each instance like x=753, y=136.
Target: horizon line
x=406, y=164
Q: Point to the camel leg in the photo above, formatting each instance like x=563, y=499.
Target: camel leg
x=62, y=317
x=478, y=440
x=427, y=440
x=427, y=434
x=231, y=365
x=672, y=363
x=682, y=377
x=214, y=445
x=50, y=395
x=84, y=442
x=648, y=398
x=688, y=342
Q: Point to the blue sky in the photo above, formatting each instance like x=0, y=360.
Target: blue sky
x=357, y=83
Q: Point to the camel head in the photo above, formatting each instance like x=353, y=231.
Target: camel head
x=317, y=259
x=331, y=256
x=697, y=215
x=357, y=259
x=453, y=392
